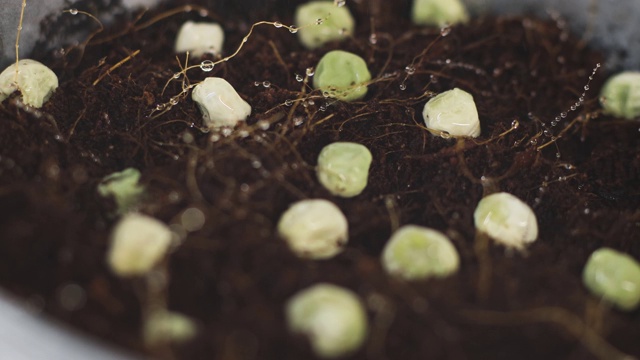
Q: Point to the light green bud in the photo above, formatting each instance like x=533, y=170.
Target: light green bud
x=322, y=22
x=36, y=82
x=416, y=253
x=342, y=75
x=333, y=319
x=438, y=12
x=620, y=95
x=164, y=327
x=614, y=276
x=314, y=229
x=507, y=220
x=123, y=186
x=199, y=38
x=343, y=168
x=453, y=112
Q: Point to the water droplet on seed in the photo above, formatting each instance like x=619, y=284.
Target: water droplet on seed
x=73, y=11
x=277, y=24
x=207, y=65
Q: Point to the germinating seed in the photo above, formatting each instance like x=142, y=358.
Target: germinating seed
x=314, y=229
x=620, y=95
x=219, y=103
x=342, y=75
x=438, y=12
x=199, y=38
x=507, y=220
x=124, y=187
x=36, y=82
x=333, y=319
x=138, y=243
x=453, y=112
x=343, y=168
x=614, y=276
x=322, y=22
x=416, y=253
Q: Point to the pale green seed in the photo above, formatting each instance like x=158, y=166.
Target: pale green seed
x=452, y=112
x=343, y=168
x=124, y=187
x=322, y=22
x=620, y=95
x=342, y=75
x=507, y=220
x=314, y=229
x=35, y=81
x=333, y=319
x=416, y=253
x=438, y=12
x=614, y=276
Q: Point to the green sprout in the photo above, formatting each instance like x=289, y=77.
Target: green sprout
x=343, y=168
x=35, y=81
x=417, y=253
x=124, y=187
x=342, y=75
x=333, y=319
x=620, y=95
x=453, y=113
x=614, y=276
x=329, y=23
x=438, y=12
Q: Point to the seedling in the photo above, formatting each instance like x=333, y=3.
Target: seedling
x=438, y=12
x=452, y=113
x=620, y=95
x=138, y=243
x=124, y=187
x=314, y=229
x=332, y=23
x=614, y=276
x=219, y=103
x=342, y=75
x=417, y=253
x=507, y=220
x=35, y=81
x=343, y=168
x=332, y=318
x=164, y=327
x=199, y=38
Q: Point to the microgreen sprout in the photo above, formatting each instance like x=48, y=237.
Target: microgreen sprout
x=314, y=229
x=343, y=168
x=438, y=12
x=124, y=187
x=219, y=103
x=620, y=95
x=416, y=253
x=614, y=276
x=342, y=75
x=199, y=38
x=330, y=23
x=332, y=318
x=35, y=81
x=507, y=220
x=138, y=243
x=452, y=113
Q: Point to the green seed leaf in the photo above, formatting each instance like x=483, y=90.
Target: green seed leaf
x=438, y=12
x=453, y=112
x=620, y=95
x=322, y=22
x=614, y=276
x=342, y=75
x=343, y=168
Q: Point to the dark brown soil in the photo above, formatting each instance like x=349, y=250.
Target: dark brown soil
x=234, y=274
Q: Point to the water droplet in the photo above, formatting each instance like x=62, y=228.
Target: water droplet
x=325, y=94
x=298, y=120
x=373, y=39
x=554, y=123
x=563, y=115
x=288, y=102
x=277, y=24
x=403, y=87
x=177, y=75
x=445, y=30
x=311, y=102
x=203, y=12
x=322, y=108
x=586, y=87
x=447, y=61
x=558, y=155
x=310, y=71
x=226, y=131
x=266, y=84
x=293, y=29
x=207, y=65
x=339, y=3
x=410, y=69
x=174, y=101
x=160, y=107
x=299, y=78
x=73, y=11
x=256, y=83
x=263, y=124
x=586, y=211
x=256, y=164
x=515, y=124
x=573, y=108
x=547, y=133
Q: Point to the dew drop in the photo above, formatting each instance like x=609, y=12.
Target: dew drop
x=266, y=84
x=256, y=83
x=177, y=75
x=563, y=115
x=410, y=69
x=373, y=39
x=288, y=102
x=293, y=29
x=263, y=124
x=277, y=24
x=558, y=155
x=311, y=102
x=445, y=30
x=403, y=87
x=310, y=71
x=515, y=124
x=73, y=11
x=207, y=65
x=226, y=132
x=322, y=108
x=203, y=13
x=573, y=108
x=298, y=120
x=174, y=101
x=586, y=87
x=554, y=123
x=299, y=78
